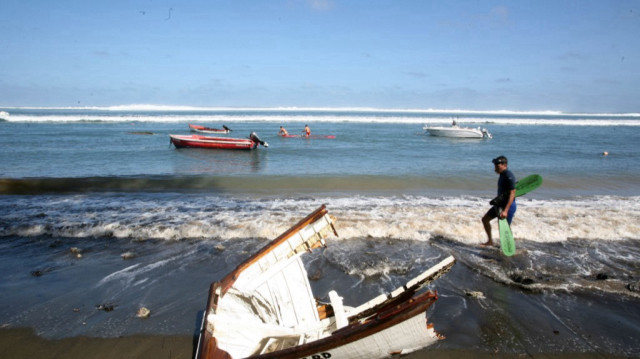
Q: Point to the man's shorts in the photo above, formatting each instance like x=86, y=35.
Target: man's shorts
x=494, y=212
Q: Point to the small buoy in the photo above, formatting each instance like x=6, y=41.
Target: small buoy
x=605, y=153
x=143, y=313
x=128, y=255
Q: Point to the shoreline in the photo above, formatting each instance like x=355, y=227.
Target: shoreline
x=19, y=343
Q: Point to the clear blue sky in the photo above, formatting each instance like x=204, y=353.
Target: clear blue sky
x=572, y=56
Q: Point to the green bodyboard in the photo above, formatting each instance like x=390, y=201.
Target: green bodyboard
x=523, y=187
x=507, y=243
x=528, y=184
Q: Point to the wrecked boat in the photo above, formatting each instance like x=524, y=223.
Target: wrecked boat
x=265, y=308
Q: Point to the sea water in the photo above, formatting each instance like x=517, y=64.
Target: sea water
x=107, y=181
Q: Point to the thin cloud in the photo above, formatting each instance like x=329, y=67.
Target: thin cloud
x=500, y=13
x=417, y=74
x=101, y=53
x=320, y=5
x=572, y=56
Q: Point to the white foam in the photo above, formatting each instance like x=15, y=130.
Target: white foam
x=162, y=108
x=175, y=114
x=399, y=218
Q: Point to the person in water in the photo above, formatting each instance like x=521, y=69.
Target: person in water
x=504, y=206
x=307, y=131
x=282, y=131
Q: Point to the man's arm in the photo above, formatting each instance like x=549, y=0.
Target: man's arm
x=505, y=211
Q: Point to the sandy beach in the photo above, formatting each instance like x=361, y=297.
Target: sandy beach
x=23, y=343
x=55, y=315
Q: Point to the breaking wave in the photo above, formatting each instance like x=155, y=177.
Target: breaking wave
x=421, y=218
x=172, y=114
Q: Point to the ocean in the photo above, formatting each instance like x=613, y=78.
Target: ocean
x=82, y=187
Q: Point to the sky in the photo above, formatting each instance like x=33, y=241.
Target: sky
x=569, y=56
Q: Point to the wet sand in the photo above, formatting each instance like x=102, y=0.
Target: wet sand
x=23, y=343
x=58, y=309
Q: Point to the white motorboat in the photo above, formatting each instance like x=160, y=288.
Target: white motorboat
x=457, y=131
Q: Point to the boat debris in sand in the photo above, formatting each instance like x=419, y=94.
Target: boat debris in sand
x=225, y=143
x=265, y=308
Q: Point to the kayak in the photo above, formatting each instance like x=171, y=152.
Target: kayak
x=310, y=136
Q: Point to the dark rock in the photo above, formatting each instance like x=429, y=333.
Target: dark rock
x=634, y=287
x=602, y=276
x=105, y=307
x=522, y=280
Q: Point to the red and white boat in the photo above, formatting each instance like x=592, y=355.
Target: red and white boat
x=226, y=143
x=203, y=129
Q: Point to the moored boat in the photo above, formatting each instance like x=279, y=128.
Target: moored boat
x=198, y=141
x=457, y=131
x=265, y=308
x=203, y=129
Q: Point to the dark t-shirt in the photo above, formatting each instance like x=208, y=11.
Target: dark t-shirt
x=506, y=182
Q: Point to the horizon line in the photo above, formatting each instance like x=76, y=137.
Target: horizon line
x=180, y=108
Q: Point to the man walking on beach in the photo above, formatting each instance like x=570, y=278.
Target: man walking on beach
x=504, y=206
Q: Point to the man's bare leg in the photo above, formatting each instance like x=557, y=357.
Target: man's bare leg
x=486, y=221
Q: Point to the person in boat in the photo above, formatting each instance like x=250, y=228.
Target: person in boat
x=283, y=131
x=307, y=131
x=505, y=204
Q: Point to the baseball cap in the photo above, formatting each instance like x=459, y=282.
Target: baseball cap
x=499, y=159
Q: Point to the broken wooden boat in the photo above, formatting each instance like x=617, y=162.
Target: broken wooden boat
x=265, y=308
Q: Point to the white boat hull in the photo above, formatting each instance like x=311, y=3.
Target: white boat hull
x=404, y=338
x=457, y=132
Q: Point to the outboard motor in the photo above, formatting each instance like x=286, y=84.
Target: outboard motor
x=486, y=133
x=257, y=139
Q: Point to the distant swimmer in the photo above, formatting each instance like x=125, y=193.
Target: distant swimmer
x=307, y=130
x=605, y=153
x=506, y=206
x=282, y=131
